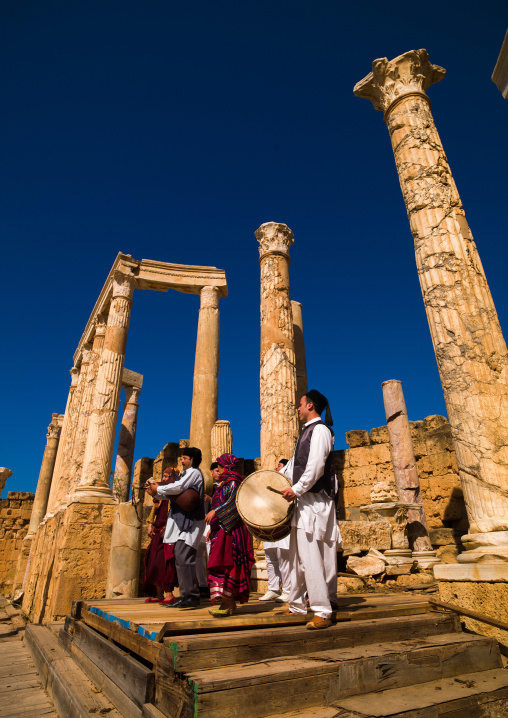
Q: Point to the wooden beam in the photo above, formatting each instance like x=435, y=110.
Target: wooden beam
x=470, y=614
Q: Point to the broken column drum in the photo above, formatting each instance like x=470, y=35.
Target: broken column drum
x=470, y=349
x=222, y=439
x=279, y=423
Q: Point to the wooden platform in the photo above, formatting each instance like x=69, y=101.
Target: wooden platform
x=156, y=662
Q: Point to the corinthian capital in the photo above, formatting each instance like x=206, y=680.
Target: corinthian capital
x=405, y=75
x=274, y=237
x=123, y=285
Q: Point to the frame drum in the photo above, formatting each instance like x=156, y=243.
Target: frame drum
x=266, y=514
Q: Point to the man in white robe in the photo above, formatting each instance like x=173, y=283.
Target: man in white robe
x=314, y=529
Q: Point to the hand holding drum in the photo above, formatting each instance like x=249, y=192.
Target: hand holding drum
x=263, y=507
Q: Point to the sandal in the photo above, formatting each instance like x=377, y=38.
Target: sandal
x=168, y=601
x=152, y=600
x=221, y=612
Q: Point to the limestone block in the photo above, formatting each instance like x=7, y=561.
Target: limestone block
x=357, y=437
x=379, y=435
x=363, y=535
x=383, y=491
x=447, y=554
x=365, y=565
x=414, y=579
x=125, y=553
x=4, y=475
x=398, y=569
x=350, y=584
x=442, y=536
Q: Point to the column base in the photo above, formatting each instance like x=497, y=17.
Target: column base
x=489, y=547
x=426, y=559
x=93, y=495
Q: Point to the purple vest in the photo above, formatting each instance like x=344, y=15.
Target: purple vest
x=325, y=483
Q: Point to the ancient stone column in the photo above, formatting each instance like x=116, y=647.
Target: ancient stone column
x=470, y=349
x=205, y=389
x=222, y=439
x=93, y=361
x=404, y=464
x=300, y=360
x=98, y=455
x=63, y=444
x=46, y=474
x=125, y=552
x=279, y=422
x=126, y=443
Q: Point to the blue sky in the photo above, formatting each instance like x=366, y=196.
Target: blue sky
x=171, y=131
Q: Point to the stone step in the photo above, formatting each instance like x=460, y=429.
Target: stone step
x=203, y=651
x=470, y=695
x=324, y=677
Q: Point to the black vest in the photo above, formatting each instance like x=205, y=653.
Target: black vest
x=325, y=483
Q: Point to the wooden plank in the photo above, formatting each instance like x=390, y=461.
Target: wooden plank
x=470, y=614
x=173, y=696
x=194, y=652
x=133, y=678
x=329, y=676
x=149, y=650
x=116, y=695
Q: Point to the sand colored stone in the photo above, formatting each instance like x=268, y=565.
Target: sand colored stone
x=279, y=423
x=205, y=389
x=46, y=474
x=4, y=475
x=300, y=358
x=222, y=439
x=404, y=463
x=468, y=342
x=15, y=512
x=126, y=444
x=125, y=553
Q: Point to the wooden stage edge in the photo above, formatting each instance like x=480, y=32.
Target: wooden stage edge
x=141, y=627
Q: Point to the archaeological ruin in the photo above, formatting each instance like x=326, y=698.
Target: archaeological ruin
x=422, y=505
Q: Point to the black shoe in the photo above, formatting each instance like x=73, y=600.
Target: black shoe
x=188, y=603
x=204, y=592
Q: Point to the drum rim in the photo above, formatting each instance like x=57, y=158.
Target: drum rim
x=280, y=523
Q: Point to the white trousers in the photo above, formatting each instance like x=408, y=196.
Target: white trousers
x=313, y=565
x=277, y=568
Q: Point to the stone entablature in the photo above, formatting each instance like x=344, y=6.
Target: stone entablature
x=500, y=74
x=15, y=512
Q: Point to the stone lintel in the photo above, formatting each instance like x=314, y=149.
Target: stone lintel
x=150, y=274
x=132, y=378
x=489, y=572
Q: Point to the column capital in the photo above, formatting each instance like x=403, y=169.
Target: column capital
x=390, y=80
x=87, y=354
x=100, y=325
x=132, y=394
x=54, y=430
x=74, y=372
x=209, y=297
x=274, y=237
x=123, y=285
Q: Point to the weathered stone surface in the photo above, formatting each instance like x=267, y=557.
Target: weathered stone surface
x=379, y=435
x=300, y=358
x=363, y=535
x=15, y=511
x=222, y=439
x=350, y=584
x=415, y=579
x=442, y=536
x=447, y=554
x=357, y=437
x=4, y=475
x=279, y=422
x=125, y=554
x=126, y=444
x=383, y=491
x=468, y=342
x=365, y=565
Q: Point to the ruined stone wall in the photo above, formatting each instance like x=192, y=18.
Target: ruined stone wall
x=15, y=512
x=367, y=462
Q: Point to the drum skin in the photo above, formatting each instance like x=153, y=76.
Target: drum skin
x=266, y=514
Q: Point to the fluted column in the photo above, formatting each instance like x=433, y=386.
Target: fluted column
x=404, y=463
x=279, y=423
x=98, y=455
x=222, y=439
x=300, y=360
x=46, y=474
x=93, y=360
x=205, y=389
x=126, y=443
x=470, y=349
x=65, y=434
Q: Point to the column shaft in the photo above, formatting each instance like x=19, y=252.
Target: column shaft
x=101, y=434
x=300, y=360
x=404, y=464
x=279, y=423
x=205, y=390
x=470, y=349
x=126, y=444
x=46, y=474
x=222, y=439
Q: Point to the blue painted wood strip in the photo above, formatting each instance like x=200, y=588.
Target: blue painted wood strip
x=146, y=633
